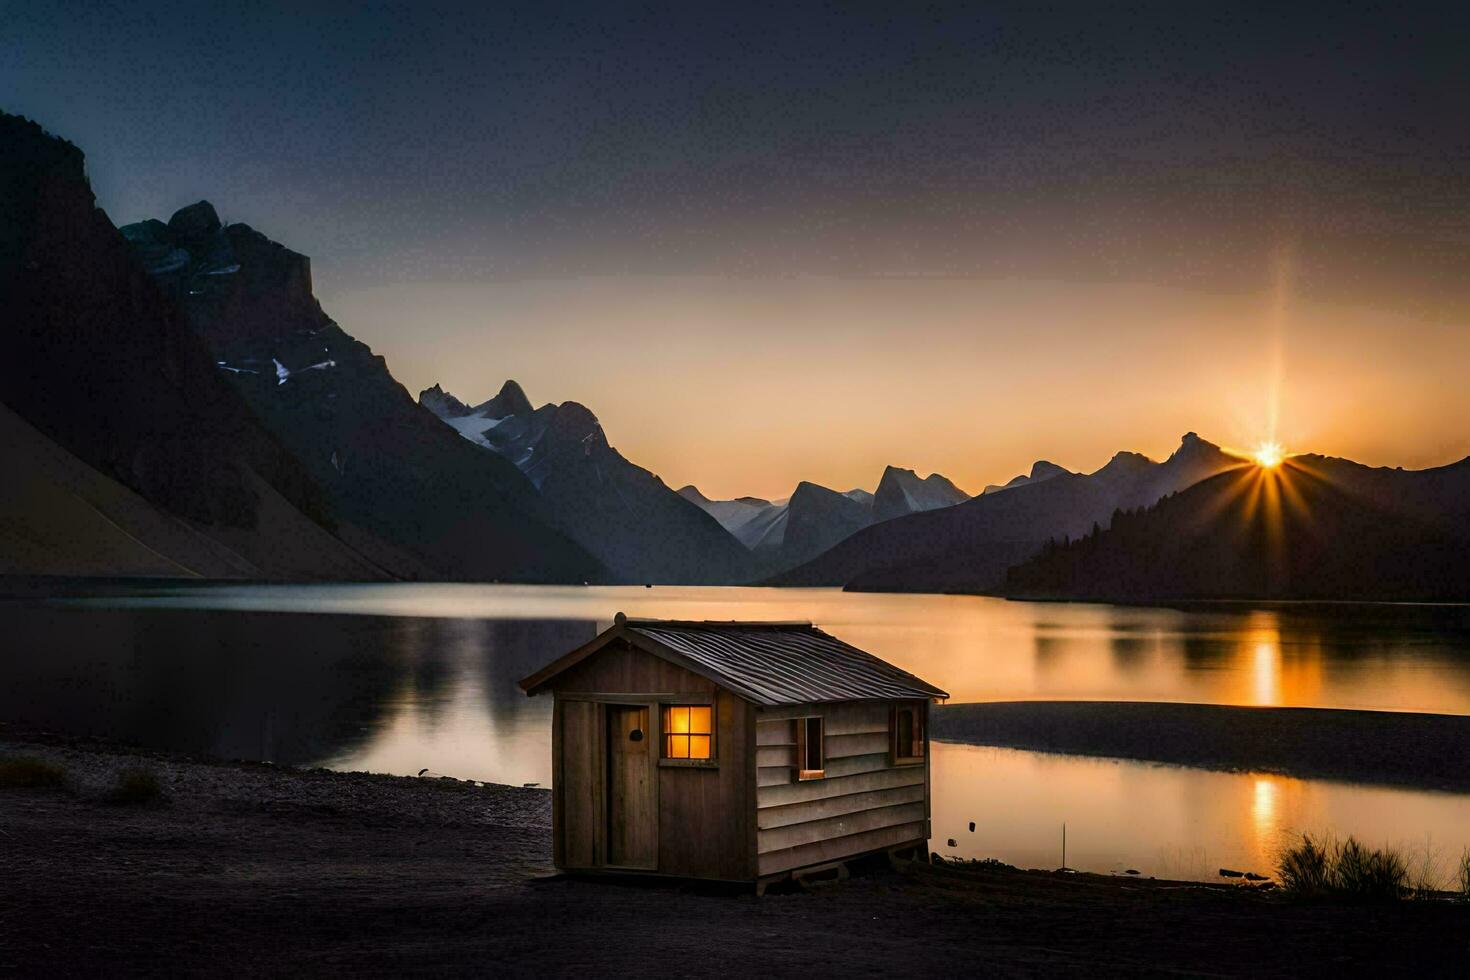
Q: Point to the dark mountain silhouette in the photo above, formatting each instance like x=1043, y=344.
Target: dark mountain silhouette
x=443, y=404
x=404, y=490
x=1040, y=470
x=820, y=516
x=642, y=530
x=900, y=492
x=750, y=519
x=105, y=373
x=1316, y=528
x=969, y=546
x=60, y=516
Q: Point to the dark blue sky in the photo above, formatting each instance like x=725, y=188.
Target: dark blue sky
x=1163, y=143
x=803, y=241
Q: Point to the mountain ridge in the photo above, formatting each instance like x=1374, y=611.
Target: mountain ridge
x=104, y=365
x=969, y=546
x=820, y=518
x=644, y=531
x=401, y=488
x=1314, y=528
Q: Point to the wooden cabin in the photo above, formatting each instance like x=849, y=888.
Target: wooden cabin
x=733, y=751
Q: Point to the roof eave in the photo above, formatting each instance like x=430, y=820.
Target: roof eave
x=624, y=628
x=536, y=683
x=533, y=684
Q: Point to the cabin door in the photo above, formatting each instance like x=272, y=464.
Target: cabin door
x=632, y=814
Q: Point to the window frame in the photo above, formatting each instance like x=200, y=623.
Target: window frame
x=801, y=734
x=713, y=762
x=896, y=756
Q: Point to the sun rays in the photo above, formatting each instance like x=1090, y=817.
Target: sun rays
x=1268, y=455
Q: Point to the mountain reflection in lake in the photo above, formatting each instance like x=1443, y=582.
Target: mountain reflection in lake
x=387, y=694
x=400, y=678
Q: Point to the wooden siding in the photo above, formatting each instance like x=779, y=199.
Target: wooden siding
x=706, y=818
x=620, y=669
x=794, y=813
x=704, y=813
x=820, y=789
x=838, y=848
x=863, y=803
x=578, y=802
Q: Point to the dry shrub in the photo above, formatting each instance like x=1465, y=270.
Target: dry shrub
x=1318, y=869
x=28, y=772
x=135, y=787
x=1305, y=869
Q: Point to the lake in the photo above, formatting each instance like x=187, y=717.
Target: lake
x=405, y=677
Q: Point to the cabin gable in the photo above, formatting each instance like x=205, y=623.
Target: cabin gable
x=620, y=667
x=702, y=816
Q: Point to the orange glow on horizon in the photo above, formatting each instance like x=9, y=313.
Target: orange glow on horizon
x=751, y=386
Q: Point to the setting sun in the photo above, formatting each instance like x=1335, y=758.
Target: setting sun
x=1268, y=455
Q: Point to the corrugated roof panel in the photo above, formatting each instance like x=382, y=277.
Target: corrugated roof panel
x=793, y=663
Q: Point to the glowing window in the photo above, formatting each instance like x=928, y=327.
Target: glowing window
x=907, y=729
x=689, y=731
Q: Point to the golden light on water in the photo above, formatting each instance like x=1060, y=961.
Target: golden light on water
x=1266, y=673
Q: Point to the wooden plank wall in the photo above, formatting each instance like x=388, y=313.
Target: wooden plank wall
x=620, y=669
x=863, y=803
x=706, y=824
x=578, y=786
x=704, y=813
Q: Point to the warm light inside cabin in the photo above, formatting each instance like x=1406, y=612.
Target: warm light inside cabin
x=1269, y=455
x=688, y=731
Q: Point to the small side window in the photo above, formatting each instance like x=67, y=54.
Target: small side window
x=811, y=755
x=907, y=731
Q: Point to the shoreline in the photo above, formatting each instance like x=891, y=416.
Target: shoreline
x=1405, y=750
x=17, y=585
x=268, y=870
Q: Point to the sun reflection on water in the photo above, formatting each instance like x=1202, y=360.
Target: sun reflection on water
x=1263, y=660
x=1266, y=674
x=1265, y=810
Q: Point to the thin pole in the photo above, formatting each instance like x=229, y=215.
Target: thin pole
x=1064, y=845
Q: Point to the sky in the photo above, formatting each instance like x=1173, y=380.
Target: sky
x=806, y=241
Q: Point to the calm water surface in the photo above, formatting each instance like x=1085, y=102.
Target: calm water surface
x=399, y=678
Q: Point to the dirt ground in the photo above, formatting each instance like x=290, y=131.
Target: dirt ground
x=248, y=870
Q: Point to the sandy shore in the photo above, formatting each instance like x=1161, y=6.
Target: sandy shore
x=1384, y=747
x=253, y=870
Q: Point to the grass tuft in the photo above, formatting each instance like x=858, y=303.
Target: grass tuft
x=135, y=787
x=1327, y=869
x=1370, y=875
x=28, y=772
x=1305, y=869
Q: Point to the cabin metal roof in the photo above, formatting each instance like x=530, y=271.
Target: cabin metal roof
x=766, y=663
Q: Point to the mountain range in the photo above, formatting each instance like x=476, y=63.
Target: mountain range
x=117, y=418
x=969, y=547
x=188, y=364
x=786, y=533
x=1316, y=528
x=174, y=402
x=1040, y=470
x=640, y=529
